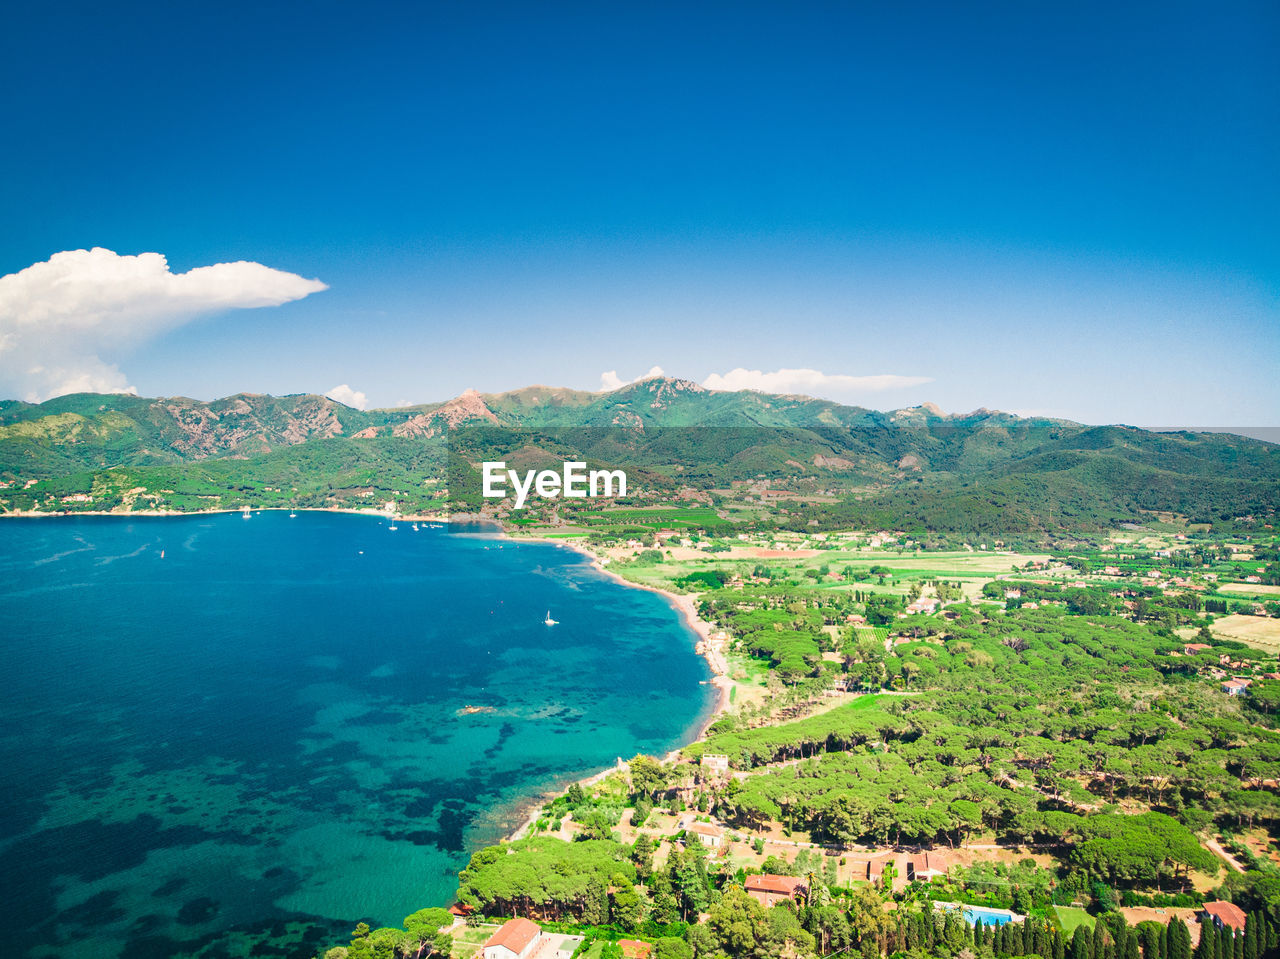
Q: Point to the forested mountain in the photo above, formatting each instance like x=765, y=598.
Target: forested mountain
x=984, y=473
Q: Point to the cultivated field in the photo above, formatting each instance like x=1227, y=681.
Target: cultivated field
x=1250, y=589
x=1260, y=632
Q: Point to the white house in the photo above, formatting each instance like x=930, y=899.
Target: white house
x=717, y=763
x=517, y=939
x=710, y=836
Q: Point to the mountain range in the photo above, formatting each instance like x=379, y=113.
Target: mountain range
x=909, y=468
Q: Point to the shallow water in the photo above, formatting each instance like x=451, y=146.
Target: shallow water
x=256, y=739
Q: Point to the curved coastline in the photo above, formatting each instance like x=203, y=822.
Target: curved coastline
x=684, y=604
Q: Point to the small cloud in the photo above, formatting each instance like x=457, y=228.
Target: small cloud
x=58, y=318
x=345, y=395
x=610, y=381
x=809, y=382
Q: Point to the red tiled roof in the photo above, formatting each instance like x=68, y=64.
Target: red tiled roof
x=926, y=861
x=706, y=829
x=1228, y=913
x=634, y=948
x=785, y=885
x=515, y=934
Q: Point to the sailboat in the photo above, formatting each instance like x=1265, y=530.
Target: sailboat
x=549, y=621
x=246, y=512
x=393, y=527
x=292, y=514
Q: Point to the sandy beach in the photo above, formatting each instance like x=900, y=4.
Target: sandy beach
x=687, y=606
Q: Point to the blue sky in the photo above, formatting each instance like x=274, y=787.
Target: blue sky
x=1061, y=208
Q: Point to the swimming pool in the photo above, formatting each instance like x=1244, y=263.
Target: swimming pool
x=979, y=915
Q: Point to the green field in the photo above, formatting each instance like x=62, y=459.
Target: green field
x=1069, y=917
x=467, y=941
x=877, y=633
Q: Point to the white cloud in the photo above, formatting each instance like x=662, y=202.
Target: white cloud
x=349, y=397
x=809, y=382
x=59, y=317
x=610, y=381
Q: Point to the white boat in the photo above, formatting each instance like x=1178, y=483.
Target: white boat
x=415, y=527
x=393, y=527
x=549, y=621
x=246, y=512
x=292, y=514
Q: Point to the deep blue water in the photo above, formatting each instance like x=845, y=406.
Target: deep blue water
x=254, y=740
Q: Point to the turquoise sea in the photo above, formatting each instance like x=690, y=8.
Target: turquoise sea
x=223, y=735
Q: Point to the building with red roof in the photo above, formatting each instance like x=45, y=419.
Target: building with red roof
x=517, y=939
x=769, y=889
x=1225, y=915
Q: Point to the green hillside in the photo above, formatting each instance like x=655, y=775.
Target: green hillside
x=975, y=476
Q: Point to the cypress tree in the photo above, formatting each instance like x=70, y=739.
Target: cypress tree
x=1081, y=944
x=1237, y=945
x=1225, y=946
x=1150, y=941
x=1043, y=945
x=977, y=935
x=1099, y=940
x=1204, y=948
x=1251, y=937
x=1179, y=939
x=997, y=941
x=1059, y=945
x=1130, y=944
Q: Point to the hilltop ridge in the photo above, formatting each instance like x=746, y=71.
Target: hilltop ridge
x=984, y=473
